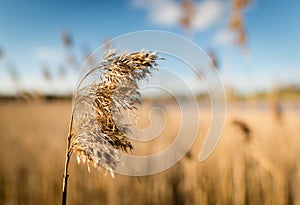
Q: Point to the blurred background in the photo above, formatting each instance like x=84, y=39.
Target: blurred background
x=253, y=44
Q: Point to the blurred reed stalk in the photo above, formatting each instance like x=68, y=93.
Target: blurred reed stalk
x=96, y=133
x=254, y=157
x=237, y=22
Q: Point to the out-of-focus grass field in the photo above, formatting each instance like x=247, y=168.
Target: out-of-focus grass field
x=264, y=170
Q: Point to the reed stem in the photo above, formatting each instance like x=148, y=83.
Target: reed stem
x=68, y=157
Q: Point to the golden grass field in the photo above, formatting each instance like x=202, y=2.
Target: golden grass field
x=262, y=170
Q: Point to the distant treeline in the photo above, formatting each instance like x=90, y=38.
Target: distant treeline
x=287, y=92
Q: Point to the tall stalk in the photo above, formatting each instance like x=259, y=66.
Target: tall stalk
x=99, y=137
x=68, y=157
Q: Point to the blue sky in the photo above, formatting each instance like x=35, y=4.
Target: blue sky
x=30, y=37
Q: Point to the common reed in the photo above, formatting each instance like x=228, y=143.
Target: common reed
x=95, y=133
x=253, y=159
x=32, y=145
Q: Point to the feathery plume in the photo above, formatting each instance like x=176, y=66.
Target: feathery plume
x=96, y=133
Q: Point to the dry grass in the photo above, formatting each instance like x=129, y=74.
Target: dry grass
x=264, y=170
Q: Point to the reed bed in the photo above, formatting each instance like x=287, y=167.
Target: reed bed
x=262, y=170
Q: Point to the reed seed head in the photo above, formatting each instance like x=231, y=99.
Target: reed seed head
x=243, y=126
x=98, y=134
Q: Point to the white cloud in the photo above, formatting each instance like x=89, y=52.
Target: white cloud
x=146, y=3
x=165, y=14
x=224, y=37
x=160, y=12
x=168, y=13
x=48, y=54
x=207, y=14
